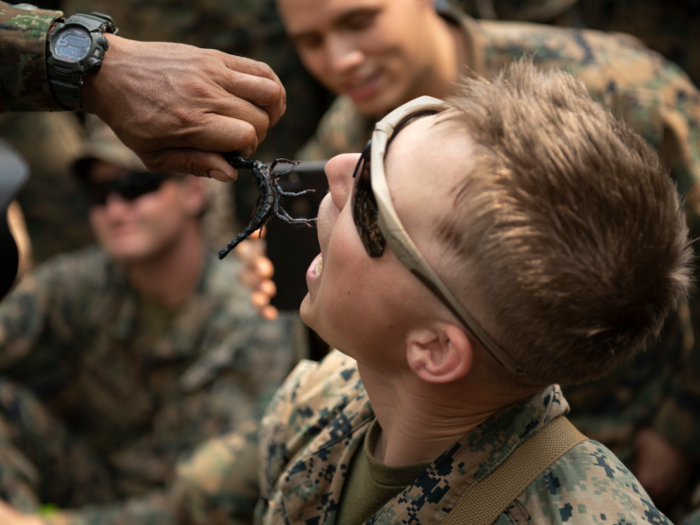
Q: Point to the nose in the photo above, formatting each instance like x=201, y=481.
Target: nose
x=115, y=205
x=339, y=172
x=342, y=55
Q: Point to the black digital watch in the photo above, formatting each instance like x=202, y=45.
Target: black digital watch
x=75, y=48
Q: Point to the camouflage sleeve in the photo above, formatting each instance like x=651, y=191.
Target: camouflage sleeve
x=23, y=81
x=219, y=483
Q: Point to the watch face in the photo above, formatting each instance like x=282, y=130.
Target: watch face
x=72, y=44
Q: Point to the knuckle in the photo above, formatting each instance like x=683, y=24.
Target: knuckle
x=276, y=92
x=188, y=119
x=249, y=135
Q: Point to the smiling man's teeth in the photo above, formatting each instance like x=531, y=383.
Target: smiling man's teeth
x=319, y=265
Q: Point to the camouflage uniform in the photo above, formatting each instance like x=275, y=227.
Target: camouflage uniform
x=24, y=85
x=320, y=416
x=100, y=399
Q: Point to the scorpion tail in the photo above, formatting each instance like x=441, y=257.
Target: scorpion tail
x=230, y=246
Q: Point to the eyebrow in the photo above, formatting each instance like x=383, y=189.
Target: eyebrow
x=339, y=21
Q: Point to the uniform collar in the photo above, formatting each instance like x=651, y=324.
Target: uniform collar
x=324, y=448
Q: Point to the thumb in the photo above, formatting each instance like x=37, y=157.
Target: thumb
x=191, y=161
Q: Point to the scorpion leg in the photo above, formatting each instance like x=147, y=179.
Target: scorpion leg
x=285, y=218
x=280, y=191
x=286, y=161
x=293, y=194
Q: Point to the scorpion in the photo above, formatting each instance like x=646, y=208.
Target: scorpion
x=271, y=193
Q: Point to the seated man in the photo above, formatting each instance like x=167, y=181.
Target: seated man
x=378, y=54
x=549, y=249
x=116, y=361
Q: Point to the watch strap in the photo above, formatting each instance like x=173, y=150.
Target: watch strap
x=66, y=82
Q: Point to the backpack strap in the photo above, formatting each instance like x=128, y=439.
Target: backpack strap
x=483, y=504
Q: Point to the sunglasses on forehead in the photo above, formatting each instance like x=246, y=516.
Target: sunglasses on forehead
x=378, y=224
x=129, y=187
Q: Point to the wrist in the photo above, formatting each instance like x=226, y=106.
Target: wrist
x=96, y=87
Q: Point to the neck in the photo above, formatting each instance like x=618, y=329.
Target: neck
x=421, y=420
x=169, y=277
x=448, y=49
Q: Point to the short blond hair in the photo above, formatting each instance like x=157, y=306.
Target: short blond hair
x=569, y=224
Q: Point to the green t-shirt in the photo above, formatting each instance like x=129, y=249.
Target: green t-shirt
x=371, y=484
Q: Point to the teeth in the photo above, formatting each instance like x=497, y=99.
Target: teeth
x=319, y=266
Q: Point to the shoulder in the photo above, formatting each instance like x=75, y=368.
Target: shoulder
x=587, y=484
x=584, y=53
x=75, y=270
x=313, y=395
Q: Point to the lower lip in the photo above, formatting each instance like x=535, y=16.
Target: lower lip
x=368, y=90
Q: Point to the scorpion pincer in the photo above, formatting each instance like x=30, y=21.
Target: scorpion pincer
x=271, y=193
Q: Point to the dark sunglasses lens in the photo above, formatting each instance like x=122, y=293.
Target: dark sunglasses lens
x=364, y=208
x=129, y=187
x=139, y=184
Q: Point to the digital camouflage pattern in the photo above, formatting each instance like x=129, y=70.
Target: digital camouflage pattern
x=23, y=82
x=318, y=419
x=102, y=395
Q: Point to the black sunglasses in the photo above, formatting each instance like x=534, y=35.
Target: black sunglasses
x=364, y=206
x=129, y=187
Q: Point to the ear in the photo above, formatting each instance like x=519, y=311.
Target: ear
x=441, y=355
x=193, y=195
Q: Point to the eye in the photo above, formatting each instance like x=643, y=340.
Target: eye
x=309, y=42
x=361, y=21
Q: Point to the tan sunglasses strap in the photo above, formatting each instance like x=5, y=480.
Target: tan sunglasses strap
x=483, y=504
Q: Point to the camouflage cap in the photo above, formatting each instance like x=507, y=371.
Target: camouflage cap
x=102, y=144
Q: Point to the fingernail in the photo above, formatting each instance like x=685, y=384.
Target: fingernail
x=220, y=175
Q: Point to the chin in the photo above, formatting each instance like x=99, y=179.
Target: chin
x=128, y=253
x=381, y=104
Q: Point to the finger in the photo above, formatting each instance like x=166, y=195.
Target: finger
x=264, y=267
x=259, y=299
x=232, y=105
x=222, y=133
x=268, y=288
x=276, y=101
x=269, y=312
x=191, y=161
x=247, y=253
x=262, y=92
x=251, y=249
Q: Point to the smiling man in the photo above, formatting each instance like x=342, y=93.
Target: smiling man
x=539, y=258
x=117, y=361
